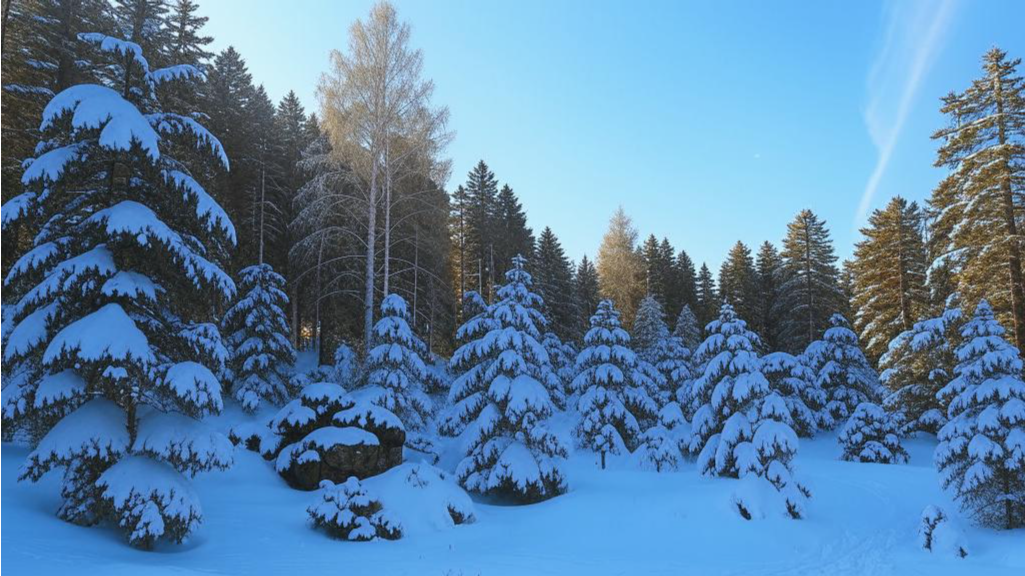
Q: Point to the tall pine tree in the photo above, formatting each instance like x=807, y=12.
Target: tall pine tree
x=810, y=289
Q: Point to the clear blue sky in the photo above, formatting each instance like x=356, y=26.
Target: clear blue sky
x=708, y=121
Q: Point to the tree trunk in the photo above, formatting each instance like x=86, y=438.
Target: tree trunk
x=1013, y=251
x=368, y=294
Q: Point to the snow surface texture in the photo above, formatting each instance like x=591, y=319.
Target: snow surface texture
x=863, y=520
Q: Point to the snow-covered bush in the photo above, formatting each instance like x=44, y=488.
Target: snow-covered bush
x=348, y=512
x=258, y=336
x=937, y=533
x=789, y=377
x=505, y=400
x=726, y=397
x=981, y=454
x=870, y=435
x=615, y=401
x=842, y=372
x=115, y=301
x=347, y=368
x=423, y=498
x=918, y=363
x=396, y=374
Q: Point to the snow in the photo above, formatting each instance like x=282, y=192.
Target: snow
x=96, y=106
x=106, y=333
x=863, y=520
x=195, y=384
x=54, y=388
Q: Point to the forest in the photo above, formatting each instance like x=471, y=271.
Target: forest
x=200, y=280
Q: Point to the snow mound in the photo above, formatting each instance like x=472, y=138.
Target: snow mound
x=422, y=498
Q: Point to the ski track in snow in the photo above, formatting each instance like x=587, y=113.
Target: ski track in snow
x=861, y=520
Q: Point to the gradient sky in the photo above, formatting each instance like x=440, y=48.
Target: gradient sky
x=708, y=121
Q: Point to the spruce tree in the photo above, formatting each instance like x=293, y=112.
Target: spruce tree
x=810, y=290
x=870, y=435
x=396, y=375
x=980, y=455
x=725, y=396
x=774, y=447
x=738, y=282
x=769, y=317
x=707, y=298
x=116, y=300
x=553, y=277
x=918, y=363
x=649, y=329
x=663, y=357
x=587, y=294
x=842, y=372
x=615, y=402
x=687, y=329
x=889, y=275
x=688, y=279
x=672, y=279
x=979, y=214
x=791, y=379
x=482, y=199
x=510, y=452
x=261, y=353
x=514, y=236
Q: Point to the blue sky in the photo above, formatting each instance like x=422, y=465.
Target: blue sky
x=708, y=121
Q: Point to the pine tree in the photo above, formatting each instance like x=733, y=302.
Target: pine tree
x=620, y=267
x=649, y=329
x=983, y=148
x=738, y=281
x=587, y=293
x=553, y=277
x=116, y=300
x=980, y=453
x=658, y=269
x=514, y=236
x=258, y=338
x=725, y=397
x=562, y=357
x=615, y=401
x=810, y=291
x=791, y=379
x=769, y=317
x=672, y=279
x=482, y=199
x=918, y=363
x=664, y=358
x=510, y=451
x=774, y=447
x=870, y=435
x=687, y=329
x=842, y=372
x=707, y=298
x=889, y=275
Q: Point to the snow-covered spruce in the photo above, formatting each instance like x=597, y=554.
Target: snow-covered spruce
x=504, y=405
x=348, y=512
x=789, y=377
x=563, y=358
x=649, y=328
x=396, y=374
x=775, y=446
x=114, y=303
x=658, y=349
x=664, y=442
x=347, y=368
x=917, y=365
x=937, y=533
x=615, y=401
x=727, y=395
x=687, y=328
x=842, y=372
x=258, y=336
x=981, y=454
x=469, y=363
x=870, y=435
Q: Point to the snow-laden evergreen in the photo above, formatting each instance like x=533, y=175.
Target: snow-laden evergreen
x=657, y=349
x=939, y=534
x=396, y=375
x=504, y=399
x=664, y=443
x=687, y=328
x=258, y=338
x=842, y=373
x=727, y=396
x=347, y=511
x=649, y=328
x=871, y=435
x=469, y=363
x=562, y=356
x=347, y=368
x=615, y=393
x=981, y=455
x=114, y=301
x=917, y=365
x=775, y=446
x=789, y=377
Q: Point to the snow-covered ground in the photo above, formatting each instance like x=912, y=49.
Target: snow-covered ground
x=862, y=520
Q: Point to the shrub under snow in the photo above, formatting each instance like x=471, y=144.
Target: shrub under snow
x=937, y=533
x=349, y=512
